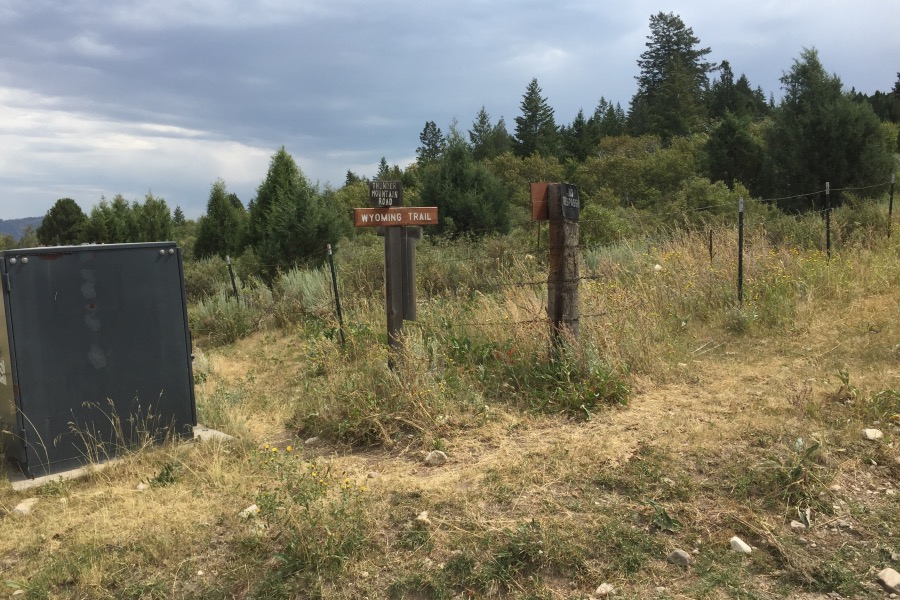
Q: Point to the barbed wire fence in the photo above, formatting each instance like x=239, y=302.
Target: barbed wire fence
x=536, y=316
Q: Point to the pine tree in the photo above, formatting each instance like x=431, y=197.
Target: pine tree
x=433, y=143
x=674, y=75
x=178, y=217
x=536, y=131
x=819, y=134
x=221, y=231
x=63, y=225
x=294, y=222
x=282, y=178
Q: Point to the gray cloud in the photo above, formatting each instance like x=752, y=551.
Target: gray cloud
x=99, y=98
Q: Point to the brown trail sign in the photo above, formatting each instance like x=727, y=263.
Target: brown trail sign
x=401, y=228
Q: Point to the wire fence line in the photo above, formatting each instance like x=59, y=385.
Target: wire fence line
x=510, y=266
x=543, y=283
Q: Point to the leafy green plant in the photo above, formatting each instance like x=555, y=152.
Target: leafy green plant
x=167, y=475
x=317, y=520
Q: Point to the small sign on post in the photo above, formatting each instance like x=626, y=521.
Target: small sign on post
x=385, y=194
x=563, y=211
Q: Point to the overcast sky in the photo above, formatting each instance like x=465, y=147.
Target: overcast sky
x=99, y=97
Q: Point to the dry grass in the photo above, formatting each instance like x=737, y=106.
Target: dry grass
x=536, y=501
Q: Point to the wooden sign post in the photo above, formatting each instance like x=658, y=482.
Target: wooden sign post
x=401, y=227
x=559, y=203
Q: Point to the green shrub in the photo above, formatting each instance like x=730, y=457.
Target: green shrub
x=205, y=277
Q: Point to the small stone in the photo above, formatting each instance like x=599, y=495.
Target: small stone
x=797, y=526
x=142, y=487
x=889, y=579
x=422, y=518
x=373, y=475
x=739, y=545
x=802, y=541
x=311, y=441
x=661, y=590
x=250, y=511
x=657, y=268
x=679, y=557
x=873, y=435
x=844, y=524
x=605, y=589
x=364, y=574
x=895, y=556
x=435, y=458
x=200, y=573
x=24, y=508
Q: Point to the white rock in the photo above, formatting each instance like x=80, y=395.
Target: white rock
x=679, y=557
x=797, y=526
x=422, y=518
x=311, y=441
x=435, y=458
x=605, y=589
x=24, y=508
x=873, y=435
x=739, y=545
x=889, y=579
x=142, y=487
x=250, y=511
x=657, y=267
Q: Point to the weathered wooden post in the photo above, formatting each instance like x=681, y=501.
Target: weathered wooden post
x=891, y=206
x=401, y=228
x=559, y=203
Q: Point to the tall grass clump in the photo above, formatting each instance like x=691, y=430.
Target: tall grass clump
x=301, y=292
x=222, y=318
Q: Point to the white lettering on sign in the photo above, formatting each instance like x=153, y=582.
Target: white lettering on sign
x=570, y=199
x=382, y=218
x=420, y=217
x=385, y=193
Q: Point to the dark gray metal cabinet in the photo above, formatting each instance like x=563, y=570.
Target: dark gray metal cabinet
x=95, y=352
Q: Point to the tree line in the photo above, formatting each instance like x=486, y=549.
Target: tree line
x=693, y=134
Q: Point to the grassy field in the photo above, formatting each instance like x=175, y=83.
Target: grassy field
x=678, y=419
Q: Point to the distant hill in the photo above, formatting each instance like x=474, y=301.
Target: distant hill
x=16, y=227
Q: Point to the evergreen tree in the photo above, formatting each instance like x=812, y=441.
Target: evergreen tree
x=384, y=170
x=480, y=135
x=735, y=154
x=152, y=219
x=178, y=217
x=536, y=131
x=112, y=222
x=673, y=78
x=221, y=230
x=469, y=198
x=819, y=134
x=297, y=223
x=282, y=179
x=432, y=141
x=580, y=138
x=63, y=225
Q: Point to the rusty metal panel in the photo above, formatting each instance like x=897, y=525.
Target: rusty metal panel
x=539, y=208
